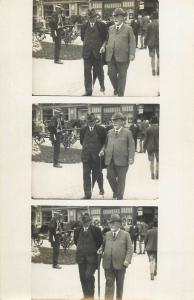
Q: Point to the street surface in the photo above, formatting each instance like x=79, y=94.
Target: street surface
x=67, y=182
x=49, y=283
x=67, y=79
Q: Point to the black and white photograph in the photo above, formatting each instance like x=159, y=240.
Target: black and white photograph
x=96, y=48
x=94, y=252
x=95, y=151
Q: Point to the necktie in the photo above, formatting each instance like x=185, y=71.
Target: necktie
x=92, y=25
x=117, y=28
x=91, y=129
x=116, y=132
x=114, y=235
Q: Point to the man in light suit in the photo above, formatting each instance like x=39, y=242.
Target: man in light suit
x=120, y=50
x=117, y=255
x=119, y=154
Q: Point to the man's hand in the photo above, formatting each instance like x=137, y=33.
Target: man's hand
x=126, y=264
x=131, y=57
x=131, y=161
x=99, y=251
x=101, y=153
x=102, y=49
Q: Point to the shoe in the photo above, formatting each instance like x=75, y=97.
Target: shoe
x=152, y=176
x=114, y=196
x=86, y=94
x=86, y=197
x=153, y=72
x=102, y=89
x=119, y=198
x=58, y=62
x=152, y=276
x=158, y=73
x=57, y=267
x=101, y=192
x=57, y=166
x=115, y=93
x=157, y=176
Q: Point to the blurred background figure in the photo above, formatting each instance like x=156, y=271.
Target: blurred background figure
x=134, y=232
x=135, y=27
x=151, y=144
x=152, y=41
x=135, y=132
x=143, y=22
x=151, y=243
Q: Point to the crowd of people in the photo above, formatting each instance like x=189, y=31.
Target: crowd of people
x=112, y=42
x=110, y=146
x=114, y=243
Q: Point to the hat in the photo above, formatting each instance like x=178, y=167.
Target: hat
x=86, y=218
x=115, y=218
x=91, y=117
x=59, y=6
x=154, y=120
x=118, y=116
x=92, y=13
x=119, y=12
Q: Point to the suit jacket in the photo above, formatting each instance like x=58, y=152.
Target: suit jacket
x=101, y=131
x=96, y=233
x=151, y=239
x=53, y=126
x=54, y=22
x=133, y=231
x=151, y=141
x=93, y=47
x=121, y=147
x=117, y=250
x=152, y=35
x=122, y=43
x=52, y=230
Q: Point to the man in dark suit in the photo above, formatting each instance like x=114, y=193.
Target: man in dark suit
x=93, y=35
x=55, y=236
x=134, y=232
x=56, y=25
x=119, y=154
x=151, y=144
x=135, y=27
x=55, y=129
x=120, y=50
x=117, y=255
x=92, y=139
x=152, y=41
x=88, y=240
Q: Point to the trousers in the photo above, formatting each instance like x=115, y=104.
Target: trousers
x=91, y=170
x=111, y=276
x=117, y=72
x=56, y=145
x=92, y=63
x=86, y=273
x=116, y=176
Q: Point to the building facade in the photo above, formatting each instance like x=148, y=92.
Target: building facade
x=41, y=215
x=42, y=113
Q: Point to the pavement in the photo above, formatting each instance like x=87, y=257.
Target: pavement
x=67, y=79
x=67, y=182
x=49, y=283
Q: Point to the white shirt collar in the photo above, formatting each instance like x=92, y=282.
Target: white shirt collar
x=116, y=232
x=118, y=130
x=119, y=26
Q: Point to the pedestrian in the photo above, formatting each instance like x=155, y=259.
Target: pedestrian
x=134, y=233
x=93, y=35
x=142, y=228
x=152, y=41
x=135, y=27
x=120, y=50
x=144, y=25
x=142, y=125
x=56, y=25
x=151, y=242
x=117, y=255
x=92, y=139
x=88, y=240
x=151, y=144
x=119, y=154
x=55, y=231
x=135, y=132
x=55, y=128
